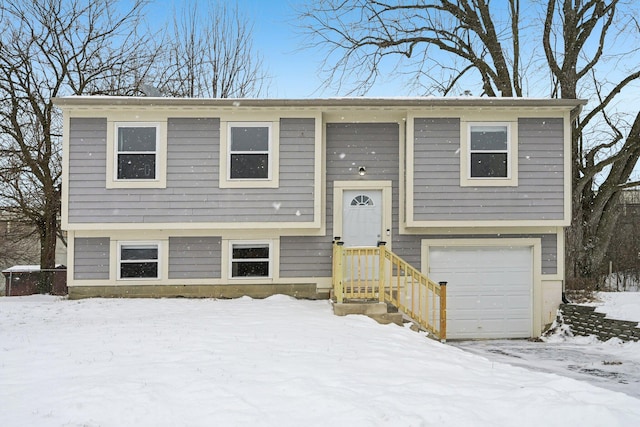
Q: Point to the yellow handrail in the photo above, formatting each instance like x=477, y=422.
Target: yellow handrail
x=375, y=273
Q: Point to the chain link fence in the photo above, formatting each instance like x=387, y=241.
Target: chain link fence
x=29, y=280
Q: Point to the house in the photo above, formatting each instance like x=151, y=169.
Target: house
x=224, y=197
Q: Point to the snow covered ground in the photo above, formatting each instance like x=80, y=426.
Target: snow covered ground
x=613, y=364
x=619, y=305
x=622, y=282
x=272, y=362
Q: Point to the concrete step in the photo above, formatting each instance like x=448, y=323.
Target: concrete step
x=386, y=318
x=380, y=312
x=366, y=308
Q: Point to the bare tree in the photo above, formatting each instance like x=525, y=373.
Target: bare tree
x=579, y=48
x=210, y=54
x=360, y=35
x=18, y=241
x=53, y=48
x=622, y=269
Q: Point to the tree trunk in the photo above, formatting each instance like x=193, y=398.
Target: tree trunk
x=48, y=228
x=596, y=211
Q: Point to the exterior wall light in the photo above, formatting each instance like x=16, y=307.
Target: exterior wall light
x=362, y=171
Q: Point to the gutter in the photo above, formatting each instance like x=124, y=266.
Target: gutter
x=402, y=102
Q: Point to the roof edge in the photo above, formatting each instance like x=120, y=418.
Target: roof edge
x=78, y=101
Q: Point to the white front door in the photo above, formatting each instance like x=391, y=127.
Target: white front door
x=362, y=217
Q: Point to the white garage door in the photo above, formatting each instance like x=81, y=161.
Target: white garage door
x=489, y=291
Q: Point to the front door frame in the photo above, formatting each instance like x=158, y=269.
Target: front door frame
x=385, y=186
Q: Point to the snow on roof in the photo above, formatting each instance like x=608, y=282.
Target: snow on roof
x=22, y=268
x=25, y=268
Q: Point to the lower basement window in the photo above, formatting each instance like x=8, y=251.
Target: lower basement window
x=250, y=259
x=138, y=261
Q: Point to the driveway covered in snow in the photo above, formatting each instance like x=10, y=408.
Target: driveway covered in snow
x=612, y=365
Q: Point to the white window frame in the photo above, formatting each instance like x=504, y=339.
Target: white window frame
x=504, y=151
x=272, y=180
x=267, y=243
x=511, y=180
x=160, y=152
x=122, y=244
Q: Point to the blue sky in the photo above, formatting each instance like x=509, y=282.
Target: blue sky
x=294, y=70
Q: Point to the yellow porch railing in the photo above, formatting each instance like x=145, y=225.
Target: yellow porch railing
x=375, y=273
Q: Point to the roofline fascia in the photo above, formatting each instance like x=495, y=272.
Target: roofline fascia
x=425, y=102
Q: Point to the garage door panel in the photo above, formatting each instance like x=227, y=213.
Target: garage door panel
x=518, y=300
x=486, y=279
x=477, y=281
x=489, y=291
x=486, y=304
x=486, y=301
x=517, y=329
x=518, y=314
x=462, y=303
x=489, y=302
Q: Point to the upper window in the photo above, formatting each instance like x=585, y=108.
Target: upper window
x=250, y=260
x=136, y=152
x=138, y=261
x=250, y=154
x=489, y=151
x=137, y=155
x=489, y=155
x=249, y=151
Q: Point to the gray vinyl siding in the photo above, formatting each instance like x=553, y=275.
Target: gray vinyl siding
x=408, y=248
x=91, y=258
x=194, y=257
x=88, y=166
x=549, y=254
x=192, y=193
x=303, y=256
x=311, y=256
x=374, y=145
x=438, y=195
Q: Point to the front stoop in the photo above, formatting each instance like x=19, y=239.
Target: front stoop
x=378, y=311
